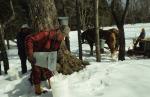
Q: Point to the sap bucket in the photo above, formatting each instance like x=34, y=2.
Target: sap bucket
x=102, y=42
x=63, y=20
x=59, y=86
x=13, y=74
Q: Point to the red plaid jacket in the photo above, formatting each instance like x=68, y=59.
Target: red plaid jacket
x=43, y=42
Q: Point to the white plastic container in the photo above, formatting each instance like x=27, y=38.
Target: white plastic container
x=60, y=87
x=13, y=74
x=46, y=59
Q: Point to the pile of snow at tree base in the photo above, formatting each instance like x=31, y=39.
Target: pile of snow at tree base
x=129, y=78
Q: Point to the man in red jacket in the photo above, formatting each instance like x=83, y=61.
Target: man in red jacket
x=43, y=41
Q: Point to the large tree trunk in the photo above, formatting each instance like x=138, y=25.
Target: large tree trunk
x=3, y=50
x=43, y=13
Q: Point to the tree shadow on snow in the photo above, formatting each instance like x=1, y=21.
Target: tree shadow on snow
x=105, y=57
x=23, y=88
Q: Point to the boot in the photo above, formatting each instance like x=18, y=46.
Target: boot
x=38, y=90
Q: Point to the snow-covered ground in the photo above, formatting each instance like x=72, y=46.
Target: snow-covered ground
x=129, y=78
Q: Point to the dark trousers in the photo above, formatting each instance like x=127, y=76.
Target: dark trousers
x=23, y=59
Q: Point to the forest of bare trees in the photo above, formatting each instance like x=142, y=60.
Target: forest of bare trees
x=138, y=11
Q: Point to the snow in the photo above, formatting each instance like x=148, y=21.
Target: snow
x=129, y=78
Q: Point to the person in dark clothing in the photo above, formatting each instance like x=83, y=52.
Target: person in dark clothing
x=139, y=39
x=24, y=31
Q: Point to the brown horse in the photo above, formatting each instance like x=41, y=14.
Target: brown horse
x=110, y=36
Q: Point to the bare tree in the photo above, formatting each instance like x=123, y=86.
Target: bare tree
x=86, y=8
x=79, y=29
x=119, y=11
x=3, y=50
x=98, y=57
x=138, y=12
x=2, y=40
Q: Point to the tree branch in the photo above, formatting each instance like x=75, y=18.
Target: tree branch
x=125, y=12
x=113, y=12
x=12, y=17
